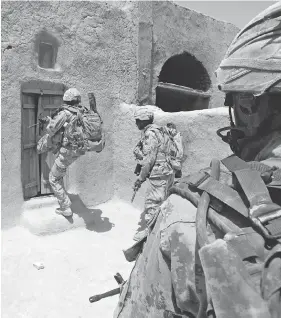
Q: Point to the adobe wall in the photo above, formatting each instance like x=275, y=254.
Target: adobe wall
x=201, y=143
x=105, y=48
x=174, y=29
x=97, y=52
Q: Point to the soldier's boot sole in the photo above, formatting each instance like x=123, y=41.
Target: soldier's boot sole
x=66, y=212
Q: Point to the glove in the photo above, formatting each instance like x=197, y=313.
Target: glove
x=266, y=171
x=137, y=184
x=44, y=120
x=137, y=169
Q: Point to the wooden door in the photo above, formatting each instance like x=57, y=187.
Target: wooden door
x=30, y=164
x=39, y=99
x=47, y=104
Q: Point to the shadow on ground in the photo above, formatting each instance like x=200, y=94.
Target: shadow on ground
x=92, y=217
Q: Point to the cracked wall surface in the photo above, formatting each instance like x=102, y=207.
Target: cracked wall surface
x=97, y=53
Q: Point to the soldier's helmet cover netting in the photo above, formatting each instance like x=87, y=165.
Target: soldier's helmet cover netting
x=72, y=94
x=144, y=113
x=250, y=72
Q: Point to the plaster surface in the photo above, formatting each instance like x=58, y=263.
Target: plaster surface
x=97, y=53
x=116, y=50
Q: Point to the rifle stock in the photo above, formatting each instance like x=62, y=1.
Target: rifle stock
x=92, y=102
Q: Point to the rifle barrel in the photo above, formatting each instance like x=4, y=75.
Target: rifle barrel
x=110, y=293
x=33, y=125
x=133, y=197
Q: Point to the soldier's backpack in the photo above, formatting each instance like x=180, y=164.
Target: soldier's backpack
x=174, y=150
x=85, y=127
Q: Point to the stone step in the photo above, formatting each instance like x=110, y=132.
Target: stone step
x=39, y=215
x=40, y=202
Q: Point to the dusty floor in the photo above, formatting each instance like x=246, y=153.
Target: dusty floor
x=78, y=264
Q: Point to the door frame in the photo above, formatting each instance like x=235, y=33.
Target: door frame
x=39, y=88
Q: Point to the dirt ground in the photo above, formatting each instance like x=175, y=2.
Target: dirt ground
x=78, y=264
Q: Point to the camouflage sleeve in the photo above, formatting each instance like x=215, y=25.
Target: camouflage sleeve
x=138, y=152
x=177, y=244
x=178, y=140
x=56, y=123
x=150, y=147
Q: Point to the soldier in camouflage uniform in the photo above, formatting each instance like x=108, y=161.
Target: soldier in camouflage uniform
x=151, y=155
x=168, y=279
x=70, y=148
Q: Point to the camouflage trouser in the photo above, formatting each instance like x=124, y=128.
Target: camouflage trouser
x=64, y=159
x=156, y=194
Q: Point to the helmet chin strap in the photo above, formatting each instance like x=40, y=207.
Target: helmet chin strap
x=233, y=134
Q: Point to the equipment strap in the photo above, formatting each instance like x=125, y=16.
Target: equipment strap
x=225, y=194
x=262, y=211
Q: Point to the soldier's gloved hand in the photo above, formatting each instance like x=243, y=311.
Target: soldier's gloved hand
x=267, y=176
x=45, y=119
x=137, y=184
x=266, y=172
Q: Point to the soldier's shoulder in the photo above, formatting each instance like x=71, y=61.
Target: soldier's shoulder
x=152, y=130
x=177, y=209
x=67, y=110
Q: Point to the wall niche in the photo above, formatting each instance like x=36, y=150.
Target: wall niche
x=46, y=47
x=183, y=84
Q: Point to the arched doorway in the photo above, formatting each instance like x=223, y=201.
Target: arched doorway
x=183, y=83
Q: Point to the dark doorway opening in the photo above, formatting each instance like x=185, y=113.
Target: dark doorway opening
x=183, y=83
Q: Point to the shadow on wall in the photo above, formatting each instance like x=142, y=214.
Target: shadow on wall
x=190, y=81
x=92, y=217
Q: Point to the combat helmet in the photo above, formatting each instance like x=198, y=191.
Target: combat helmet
x=250, y=76
x=72, y=95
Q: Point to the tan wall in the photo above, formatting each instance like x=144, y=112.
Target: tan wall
x=105, y=48
x=97, y=52
x=201, y=143
x=177, y=29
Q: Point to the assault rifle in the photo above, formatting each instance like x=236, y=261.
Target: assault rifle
x=136, y=188
x=119, y=279
x=42, y=121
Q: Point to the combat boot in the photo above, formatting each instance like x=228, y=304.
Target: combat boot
x=65, y=212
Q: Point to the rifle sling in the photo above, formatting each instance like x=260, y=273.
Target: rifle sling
x=242, y=242
x=265, y=215
x=224, y=194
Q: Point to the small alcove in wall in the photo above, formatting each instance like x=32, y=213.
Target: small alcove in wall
x=183, y=84
x=46, y=47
